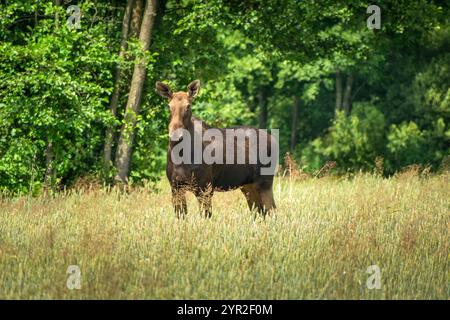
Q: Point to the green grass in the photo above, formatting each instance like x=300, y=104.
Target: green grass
x=318, y=245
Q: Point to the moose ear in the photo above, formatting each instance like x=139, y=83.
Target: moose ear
x=163, y=90
x=193, y=88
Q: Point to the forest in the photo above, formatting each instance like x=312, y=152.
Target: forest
x=347, y=89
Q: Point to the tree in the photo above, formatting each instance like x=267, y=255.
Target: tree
x=109, y=134
x=125, y=145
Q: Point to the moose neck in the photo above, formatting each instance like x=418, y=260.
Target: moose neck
x=190, y=128
x=196, y=128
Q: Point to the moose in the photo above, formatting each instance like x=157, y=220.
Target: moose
x=203, y=178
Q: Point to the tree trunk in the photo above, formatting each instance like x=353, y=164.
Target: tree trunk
x=338, y=90
x=57, y=3
x=49, y=173
x=347, y=102
x=109, y=135
x=136, y=18
x=124, y=148
x=135, y=27
x=36, y=13
x=295, y=108
x=263, y=113
x=49, y=169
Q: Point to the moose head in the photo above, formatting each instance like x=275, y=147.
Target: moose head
x=180, y=106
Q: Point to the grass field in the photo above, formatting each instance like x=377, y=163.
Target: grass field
x=318, y=245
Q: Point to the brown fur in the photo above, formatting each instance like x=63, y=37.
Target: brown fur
x=203, y=179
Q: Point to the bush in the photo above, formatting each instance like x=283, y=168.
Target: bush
x=406, y=145
x=353, y=142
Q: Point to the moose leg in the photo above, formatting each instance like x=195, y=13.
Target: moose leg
x=179, y=202
x=251, y=194
x=204, y=197
x=267, y=201
x=264, y=187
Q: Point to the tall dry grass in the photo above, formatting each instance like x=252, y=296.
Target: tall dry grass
x=318, y=245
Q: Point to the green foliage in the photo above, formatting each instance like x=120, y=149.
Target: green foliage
x=353, y=142
x=222, y=105
x=406, y=145
x=56, y=83
x=54, y=88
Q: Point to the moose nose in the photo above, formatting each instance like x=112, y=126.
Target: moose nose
x=176, y=135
